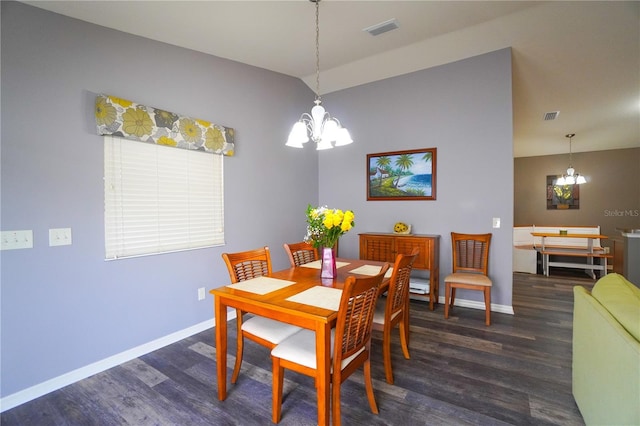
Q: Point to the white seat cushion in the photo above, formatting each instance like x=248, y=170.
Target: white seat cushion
x=270, y=330
x=378, y=315
x=474, y=279
x=301, y=349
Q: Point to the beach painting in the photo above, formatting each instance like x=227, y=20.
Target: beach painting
x=402, y=175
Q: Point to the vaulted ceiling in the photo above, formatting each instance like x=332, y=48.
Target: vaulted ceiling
x=579, y=58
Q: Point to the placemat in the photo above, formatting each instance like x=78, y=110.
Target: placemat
x=320, y=297
x=317, y=264
x=370, y=270
x=261, y=285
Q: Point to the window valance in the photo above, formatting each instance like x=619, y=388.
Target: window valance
x=126, y=119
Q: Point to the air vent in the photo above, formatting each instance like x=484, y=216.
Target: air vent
x=551, y=115
x=382, y=27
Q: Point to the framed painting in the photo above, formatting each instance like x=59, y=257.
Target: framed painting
x=562, y=197
x=402, y=175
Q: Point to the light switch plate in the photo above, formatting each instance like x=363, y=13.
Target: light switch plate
x=12, y=240
x=496, y=222
x=60, y=237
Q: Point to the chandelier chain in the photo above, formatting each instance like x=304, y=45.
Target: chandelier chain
x=317, y=49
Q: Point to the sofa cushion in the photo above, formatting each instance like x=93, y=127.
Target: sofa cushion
x=622, y=299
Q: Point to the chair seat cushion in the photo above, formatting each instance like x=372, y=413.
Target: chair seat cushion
x=378, y=315
x=301, y=349
x=463, y=278
x=268, y=329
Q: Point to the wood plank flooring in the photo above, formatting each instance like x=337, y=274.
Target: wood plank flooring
x=515, y=372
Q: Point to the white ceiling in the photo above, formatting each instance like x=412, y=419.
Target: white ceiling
x=579, y=58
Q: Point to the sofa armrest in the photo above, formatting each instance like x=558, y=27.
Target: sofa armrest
x=606, y=365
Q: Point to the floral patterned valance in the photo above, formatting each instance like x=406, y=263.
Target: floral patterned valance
x=126, y=119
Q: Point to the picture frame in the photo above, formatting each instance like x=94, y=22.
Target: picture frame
x=562, y=197
x=402, y=175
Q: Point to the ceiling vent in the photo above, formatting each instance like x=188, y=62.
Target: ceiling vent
x=382, y=27
x=551, y=115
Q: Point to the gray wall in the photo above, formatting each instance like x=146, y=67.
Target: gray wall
x=464, y=110
x=64, y=308
x=610, y=198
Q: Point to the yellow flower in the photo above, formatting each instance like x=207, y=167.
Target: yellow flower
x=137, y=122
x=167, y=141
x=328, y=219
x=122, y=102
x=214, y=139
x=337, y=217
x=190, y=130
x=105, y=113
x=204, y=123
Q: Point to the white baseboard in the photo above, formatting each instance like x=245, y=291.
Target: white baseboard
x=473, y=304
x=26, y=395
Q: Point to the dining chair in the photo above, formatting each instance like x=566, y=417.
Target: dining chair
x=301, y=253
x=353, y=331
x=470, y=269
x=267, y=332
x=394, y=309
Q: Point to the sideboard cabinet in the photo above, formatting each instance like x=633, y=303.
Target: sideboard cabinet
x=385, y=247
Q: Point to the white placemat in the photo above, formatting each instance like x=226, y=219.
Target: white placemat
x=261, y=285
x=317, y=264
x=320, y=297
x=370, y=270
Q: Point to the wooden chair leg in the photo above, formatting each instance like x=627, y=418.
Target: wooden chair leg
x=487, y=305
x=386, y=353
x=278, y=379
x=453, y=295
x=447, y=293
x=335, y=398
x=407, y=322
x=404, y=340
x=369, y=386
x=239, y=350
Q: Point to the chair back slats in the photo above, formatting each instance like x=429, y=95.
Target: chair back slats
x=400, y=282
x=250, y=269
x=355, y=315
x=301, y=253
x=471, y=252
x=248, y=264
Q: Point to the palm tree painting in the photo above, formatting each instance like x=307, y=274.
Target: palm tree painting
x=402, y=175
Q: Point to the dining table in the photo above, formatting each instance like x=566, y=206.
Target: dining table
x=297, y=296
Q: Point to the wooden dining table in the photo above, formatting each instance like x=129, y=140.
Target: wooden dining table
x=275, y=305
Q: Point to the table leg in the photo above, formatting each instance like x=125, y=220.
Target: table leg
x=221, y=347
x=323, y=364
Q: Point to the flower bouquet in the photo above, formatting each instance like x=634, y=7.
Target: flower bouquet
x=324, y=228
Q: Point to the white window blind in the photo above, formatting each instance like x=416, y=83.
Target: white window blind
x=160, y=199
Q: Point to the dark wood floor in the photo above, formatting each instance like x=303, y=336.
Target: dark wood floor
x=515, y=372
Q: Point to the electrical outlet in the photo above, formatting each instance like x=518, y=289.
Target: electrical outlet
x=201, y=294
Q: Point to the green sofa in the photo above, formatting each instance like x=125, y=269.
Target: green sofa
x=606, y=352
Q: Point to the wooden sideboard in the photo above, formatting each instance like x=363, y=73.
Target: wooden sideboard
x=384, y=248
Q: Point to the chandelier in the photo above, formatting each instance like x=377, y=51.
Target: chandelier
x=571, y=177
x=323, y=129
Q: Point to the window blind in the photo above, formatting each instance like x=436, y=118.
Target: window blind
x=160, y=199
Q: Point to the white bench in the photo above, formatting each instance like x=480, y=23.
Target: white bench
x=526, y=247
